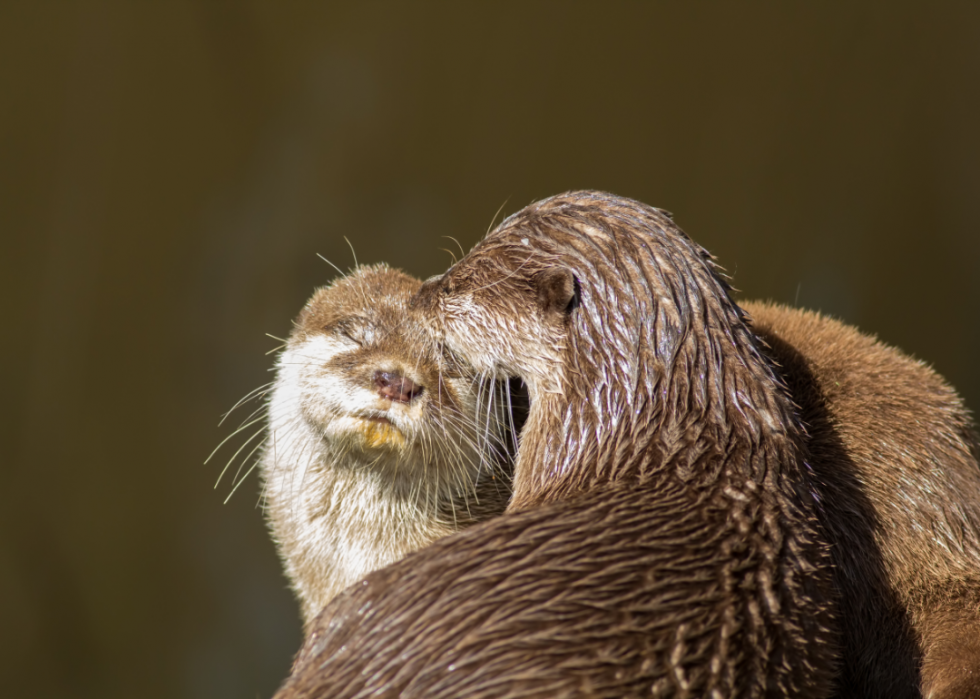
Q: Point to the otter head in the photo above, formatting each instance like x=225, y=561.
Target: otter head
x=363, y=379
x=508, y=313
x=633, y=353
x=375, y=445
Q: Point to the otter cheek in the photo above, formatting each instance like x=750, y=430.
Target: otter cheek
x=464, y=342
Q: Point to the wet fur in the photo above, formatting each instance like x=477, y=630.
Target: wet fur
x=662, y=539
x=347, y=492
x=895, y=458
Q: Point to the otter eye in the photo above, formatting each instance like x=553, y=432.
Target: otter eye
x=353, y=329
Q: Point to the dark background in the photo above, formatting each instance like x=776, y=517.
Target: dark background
x=168, y=173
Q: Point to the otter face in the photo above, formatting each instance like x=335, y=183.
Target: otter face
x=360, y=379
x=505, y=320
x=359, y=383
x=376, y=446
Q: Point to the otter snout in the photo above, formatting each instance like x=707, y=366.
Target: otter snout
x=397, y=388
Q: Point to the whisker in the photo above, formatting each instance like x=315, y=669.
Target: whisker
x=240, y=482
x=352, y=252
x=245, y=444
x=246, y=459
x=494, y=219
x=225, y=440
x=461, y=251
x=246, y=398
x=339, y=271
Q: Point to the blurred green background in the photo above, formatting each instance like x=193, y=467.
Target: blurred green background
x=168, y=172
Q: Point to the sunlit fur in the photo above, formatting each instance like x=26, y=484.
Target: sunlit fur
x=662, y=538
x=895, y=455
x=354, y=480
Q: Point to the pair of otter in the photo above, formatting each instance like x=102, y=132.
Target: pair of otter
x=673, y=522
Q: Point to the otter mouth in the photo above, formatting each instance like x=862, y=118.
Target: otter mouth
x=378, y=431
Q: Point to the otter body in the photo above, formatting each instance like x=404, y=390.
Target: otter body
x=894, y=460
x=374, y=449
x=662, y=537
x=895, y=455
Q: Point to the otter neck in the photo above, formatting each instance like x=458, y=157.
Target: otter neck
x=709, y=416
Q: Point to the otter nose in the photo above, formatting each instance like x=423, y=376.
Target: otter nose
x=395, y=387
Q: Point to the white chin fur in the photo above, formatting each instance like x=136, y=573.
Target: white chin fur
x=318, y=510
x=339, y=506
x=330, y=403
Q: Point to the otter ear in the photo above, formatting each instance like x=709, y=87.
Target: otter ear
x=558, y=290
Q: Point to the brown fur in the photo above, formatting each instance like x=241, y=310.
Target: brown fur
x=896, y=455
x=662, y=537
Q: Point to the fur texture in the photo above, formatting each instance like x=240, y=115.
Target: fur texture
x=895, y=455
x=894, y=460
x=662, y=539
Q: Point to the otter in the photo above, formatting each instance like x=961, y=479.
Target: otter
x=895, y=451
x=375, y=446
x=895, y=454
x=663, y=536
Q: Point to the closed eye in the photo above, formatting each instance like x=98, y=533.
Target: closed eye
x=354, y=329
